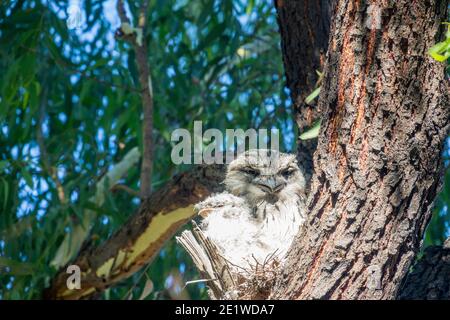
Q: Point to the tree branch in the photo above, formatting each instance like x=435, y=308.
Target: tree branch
x=122, y=13
x=147, y=104
x=136, y=36
x=126, y=189
x=143, y=236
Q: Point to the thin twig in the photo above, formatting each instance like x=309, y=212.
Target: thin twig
x=46, y=163
x=141, y=50
x=125, y=188
x=143, y=14
x=64, y=66
x=198, y=281
x=147, y=104
x=144, y=272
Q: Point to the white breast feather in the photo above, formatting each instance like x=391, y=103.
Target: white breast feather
x=244, y=240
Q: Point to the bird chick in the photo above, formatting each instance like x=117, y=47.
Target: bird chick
x=260, y=212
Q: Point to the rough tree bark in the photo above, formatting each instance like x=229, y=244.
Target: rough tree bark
x=378, y=164
x=430, y=278
x=304, y=29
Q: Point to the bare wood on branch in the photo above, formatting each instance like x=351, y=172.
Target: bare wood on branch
x=138, y=242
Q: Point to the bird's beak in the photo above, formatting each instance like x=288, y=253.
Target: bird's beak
x=270, y=184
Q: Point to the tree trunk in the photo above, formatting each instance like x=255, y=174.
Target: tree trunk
x=378, y=164
x=304, y=29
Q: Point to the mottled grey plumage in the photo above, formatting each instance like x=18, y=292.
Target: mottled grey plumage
x=261, y=210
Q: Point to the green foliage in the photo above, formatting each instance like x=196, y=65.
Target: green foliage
x=309, y=99
x=439, y=228
x=312, y=132
x=441, y=51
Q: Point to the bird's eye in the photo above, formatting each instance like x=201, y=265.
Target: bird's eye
x=250, y=171
x=287, y=172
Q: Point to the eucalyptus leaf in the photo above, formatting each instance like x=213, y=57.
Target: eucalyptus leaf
x=312, y=132
x=148, y=288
